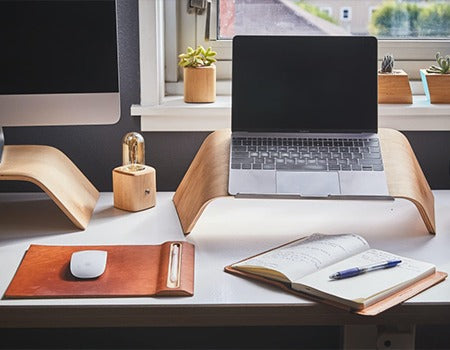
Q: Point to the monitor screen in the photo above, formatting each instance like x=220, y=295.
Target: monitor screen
x=304, y=84
x=59, y=63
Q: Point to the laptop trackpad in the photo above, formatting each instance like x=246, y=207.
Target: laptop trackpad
x=308, y=183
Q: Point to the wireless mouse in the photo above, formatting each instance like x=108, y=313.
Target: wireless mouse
x=88, y=263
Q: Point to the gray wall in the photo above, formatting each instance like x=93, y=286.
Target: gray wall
x=96, y=150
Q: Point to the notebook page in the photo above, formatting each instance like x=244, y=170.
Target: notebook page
x=369, y=286
x=309, y=255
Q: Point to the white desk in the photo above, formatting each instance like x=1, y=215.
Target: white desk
x=220, y=299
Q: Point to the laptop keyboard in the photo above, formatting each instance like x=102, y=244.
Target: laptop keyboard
x=306, y=154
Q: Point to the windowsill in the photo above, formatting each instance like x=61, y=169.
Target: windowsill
x=176, y=115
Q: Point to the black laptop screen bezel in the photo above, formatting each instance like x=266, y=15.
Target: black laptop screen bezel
x=258, y=61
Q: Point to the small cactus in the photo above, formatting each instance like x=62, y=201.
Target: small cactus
x=443, y=66
x=197, y=58
x=387, y=64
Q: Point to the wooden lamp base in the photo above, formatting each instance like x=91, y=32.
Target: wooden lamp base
x=134, y=190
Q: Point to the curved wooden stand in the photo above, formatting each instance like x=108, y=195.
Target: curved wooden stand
x=54, y=173
x=207, y=177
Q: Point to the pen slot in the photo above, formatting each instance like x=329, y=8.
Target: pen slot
x=174, y=266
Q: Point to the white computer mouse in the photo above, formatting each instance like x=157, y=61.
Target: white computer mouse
x=88, y=263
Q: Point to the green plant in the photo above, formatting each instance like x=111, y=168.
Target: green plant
x=407, y=19
x=443, y=66
x=316, y=11
x=387, y=64
x=197, y=58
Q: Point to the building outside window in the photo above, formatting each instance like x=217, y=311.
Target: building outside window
x=412, y=30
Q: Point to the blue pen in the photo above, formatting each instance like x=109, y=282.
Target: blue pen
x=355, y=271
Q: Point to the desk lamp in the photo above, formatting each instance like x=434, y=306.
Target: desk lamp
x=134, y=183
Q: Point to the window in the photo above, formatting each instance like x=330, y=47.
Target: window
x=165, y=29
x=346, y=14
x=413, y=42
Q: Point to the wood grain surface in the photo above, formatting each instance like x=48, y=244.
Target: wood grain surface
x=207, y=177
x=54, y=173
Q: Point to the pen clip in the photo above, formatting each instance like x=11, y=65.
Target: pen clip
x=174, y=266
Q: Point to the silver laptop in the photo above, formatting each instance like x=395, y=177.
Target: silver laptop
x=304, y=117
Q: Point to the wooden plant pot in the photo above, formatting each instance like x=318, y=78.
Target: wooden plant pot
x=394, y=87
x=200, y=84
x=436, y=86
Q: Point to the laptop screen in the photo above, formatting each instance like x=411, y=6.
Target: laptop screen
x=304, y=84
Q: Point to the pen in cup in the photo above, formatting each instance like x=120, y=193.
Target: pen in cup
x=355, y=271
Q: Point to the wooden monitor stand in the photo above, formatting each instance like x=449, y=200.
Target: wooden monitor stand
x=54, y=173
x=207, y=177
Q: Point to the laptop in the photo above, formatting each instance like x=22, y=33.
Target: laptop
x=304, y=117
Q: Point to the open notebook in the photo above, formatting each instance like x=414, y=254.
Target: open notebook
x=305, y=266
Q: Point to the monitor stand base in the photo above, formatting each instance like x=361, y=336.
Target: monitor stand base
x=56, y=175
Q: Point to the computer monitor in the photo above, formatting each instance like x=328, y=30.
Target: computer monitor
x=58, y=63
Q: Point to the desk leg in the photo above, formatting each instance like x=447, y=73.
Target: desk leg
x=379, y=337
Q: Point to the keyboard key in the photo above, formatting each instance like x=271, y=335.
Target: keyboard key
x=242, y=160
x=268, y=167
x=312, y=167
x=378, y=167
x=372, y=155
x=257, y=166
x=235, y=166
x=246, y=166
x=240, y=154
x=370, y=162
x=239, y=148
x=334, y=167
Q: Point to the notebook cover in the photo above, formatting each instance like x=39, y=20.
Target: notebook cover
x=371, y=310
x=131, y=271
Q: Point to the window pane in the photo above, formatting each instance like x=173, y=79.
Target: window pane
x=390, y=19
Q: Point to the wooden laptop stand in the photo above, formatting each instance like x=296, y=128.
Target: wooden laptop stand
x=54, y=173
x=207, y=177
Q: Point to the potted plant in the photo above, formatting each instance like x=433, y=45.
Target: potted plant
x=199, y=73
x=436, y=80
x=393, y=84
